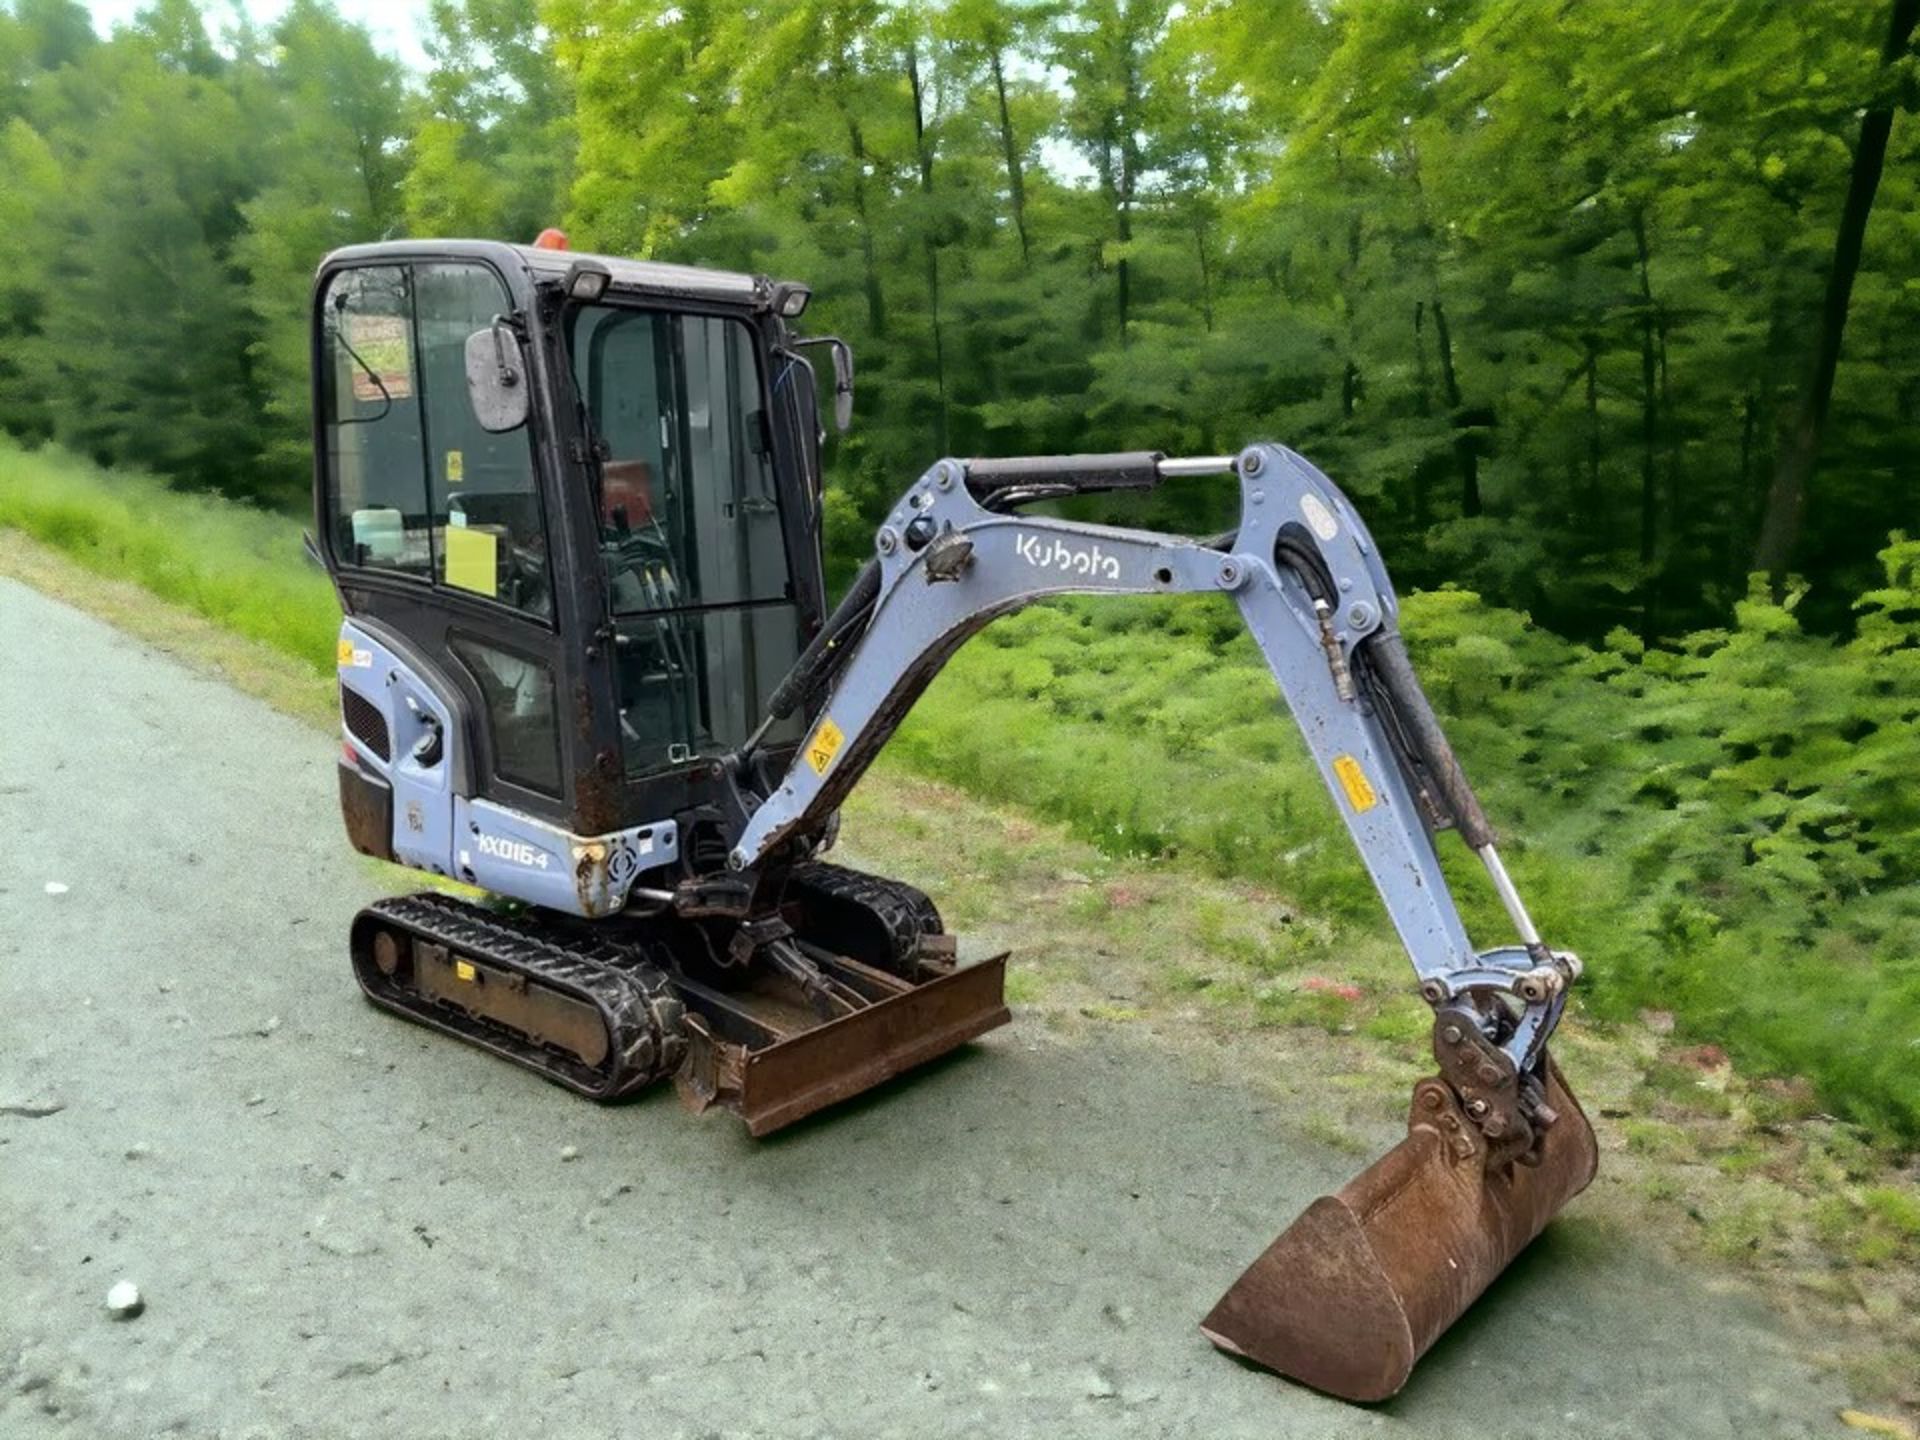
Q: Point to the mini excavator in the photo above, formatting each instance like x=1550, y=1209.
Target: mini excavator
x=572, y=505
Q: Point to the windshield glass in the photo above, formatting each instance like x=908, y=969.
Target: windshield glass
x=690, y=525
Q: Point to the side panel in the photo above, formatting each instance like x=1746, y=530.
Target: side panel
x=423, y=743
x=588, y=875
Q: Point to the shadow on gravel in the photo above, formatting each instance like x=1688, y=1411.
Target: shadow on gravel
x=840, y=1115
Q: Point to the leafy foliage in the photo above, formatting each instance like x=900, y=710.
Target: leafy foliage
x=1544, y=296
x=1727, y=828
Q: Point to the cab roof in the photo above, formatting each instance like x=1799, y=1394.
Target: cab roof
x=644, y=277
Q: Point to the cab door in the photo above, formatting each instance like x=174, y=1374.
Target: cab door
x=437, y=533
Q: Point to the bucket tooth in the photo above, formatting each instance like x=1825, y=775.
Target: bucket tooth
x=1358, y=1288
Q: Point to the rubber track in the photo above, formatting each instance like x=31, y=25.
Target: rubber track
x=903, y=912
x=634, y=997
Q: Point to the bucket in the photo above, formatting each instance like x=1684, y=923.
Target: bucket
x=1358, y=1288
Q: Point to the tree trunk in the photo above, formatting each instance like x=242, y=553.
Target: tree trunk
x=1423, y=399
x=1465, y=448
x=1423, y=407
x=1206, y=269
x=1672, y=484
x=1129, y=178
x=1800, y=442
x=876, y=299
x=1649, y=411
x=930, y=245
x=1749, y=412
x=1016, y=177
x=1593, y=427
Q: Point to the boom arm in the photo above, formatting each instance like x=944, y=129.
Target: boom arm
x=1309, y=584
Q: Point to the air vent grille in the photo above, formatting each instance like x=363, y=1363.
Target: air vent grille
x=365, y=722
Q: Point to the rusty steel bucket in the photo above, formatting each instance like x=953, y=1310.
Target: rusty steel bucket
x=1354, y=1292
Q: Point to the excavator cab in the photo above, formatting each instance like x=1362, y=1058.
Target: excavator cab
x=571, y=504
x=572, y=507
x=597, y=508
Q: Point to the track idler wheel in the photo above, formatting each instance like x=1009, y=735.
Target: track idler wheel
x=1358, y=1288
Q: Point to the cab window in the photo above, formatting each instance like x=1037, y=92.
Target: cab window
x=522, y=718
x=417, y=485
x=376, y=471
x=690, y=526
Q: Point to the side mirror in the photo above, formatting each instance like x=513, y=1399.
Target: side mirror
x=842, y=384
x=497, y=379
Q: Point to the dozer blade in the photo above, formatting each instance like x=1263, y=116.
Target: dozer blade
x=762, y=1055
x=1354, y=1292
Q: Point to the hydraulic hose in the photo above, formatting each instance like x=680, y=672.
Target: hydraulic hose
x=814, y=662
x=1388, y=653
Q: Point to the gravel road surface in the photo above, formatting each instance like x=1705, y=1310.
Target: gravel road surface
x=343, y=1226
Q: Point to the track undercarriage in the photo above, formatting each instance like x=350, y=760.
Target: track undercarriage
x=608, y=1010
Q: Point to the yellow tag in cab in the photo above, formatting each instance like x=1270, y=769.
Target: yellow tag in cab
x=456, y=467
x=1353, y=780
x=462, y=970
x=824, y=745
x=470, y=559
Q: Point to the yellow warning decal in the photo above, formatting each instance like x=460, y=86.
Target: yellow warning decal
x=1353, y=780
x=344, y=652
x=824, y=745
x=472, y=560
x=462, y=970
x=456, y=467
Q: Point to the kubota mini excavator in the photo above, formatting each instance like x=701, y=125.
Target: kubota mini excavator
x=572, y=506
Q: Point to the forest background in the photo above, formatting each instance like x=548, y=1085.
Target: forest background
x=1607, y=314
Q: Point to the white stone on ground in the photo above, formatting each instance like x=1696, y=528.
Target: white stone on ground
x=124, y=1302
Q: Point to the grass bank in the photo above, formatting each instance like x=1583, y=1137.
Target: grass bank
x=1728, y=830
x=241, y=568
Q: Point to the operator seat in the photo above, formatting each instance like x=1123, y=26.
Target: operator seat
x=626, y=486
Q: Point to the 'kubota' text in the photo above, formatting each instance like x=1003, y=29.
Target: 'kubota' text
x=1073, y=559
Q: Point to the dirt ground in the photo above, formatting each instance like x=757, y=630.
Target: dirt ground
x=343, y=1226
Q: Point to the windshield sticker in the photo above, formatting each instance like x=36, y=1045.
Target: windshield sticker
x=472, y=560
x=381, y=343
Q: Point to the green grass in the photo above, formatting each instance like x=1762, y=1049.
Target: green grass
x=1729, y=830
x=239, y=567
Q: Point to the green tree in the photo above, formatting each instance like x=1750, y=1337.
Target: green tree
x=1800, y=450
x=336, y=110
x=493, y=148
x=142, y=343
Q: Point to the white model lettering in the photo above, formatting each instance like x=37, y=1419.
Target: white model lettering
x=518, y=851
x=1054, y=554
